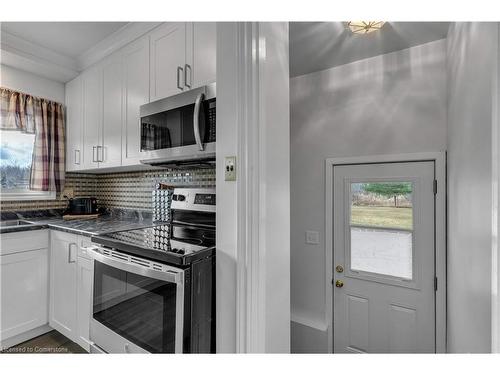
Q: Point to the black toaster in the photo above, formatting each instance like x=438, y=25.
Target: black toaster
x=82, y=206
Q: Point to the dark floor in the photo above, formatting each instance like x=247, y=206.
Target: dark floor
x=52, y=342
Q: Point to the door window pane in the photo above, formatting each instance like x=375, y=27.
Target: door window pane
x=381, y=225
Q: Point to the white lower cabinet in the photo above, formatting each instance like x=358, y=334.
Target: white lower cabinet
x=23, y=286
x=45, y=284
x=70, y=287
x=85, y=277
x=63, y=253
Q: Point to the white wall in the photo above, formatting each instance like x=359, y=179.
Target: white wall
x=227, y=140
x=31, y=84
x=273, y=157
x=253, y=228
x=472, y=49
x=393, y=103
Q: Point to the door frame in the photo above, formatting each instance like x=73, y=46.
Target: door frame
x=439, y=159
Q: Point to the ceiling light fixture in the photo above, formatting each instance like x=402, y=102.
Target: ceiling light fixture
x=364, y=27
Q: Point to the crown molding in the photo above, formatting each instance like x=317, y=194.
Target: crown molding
x=37, y=66
x=24, y=55
x=114, y=42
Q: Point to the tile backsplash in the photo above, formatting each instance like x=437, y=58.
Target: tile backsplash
x=130, y=190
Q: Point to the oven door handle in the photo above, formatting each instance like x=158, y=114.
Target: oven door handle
x=174, y=276
x=196, y=121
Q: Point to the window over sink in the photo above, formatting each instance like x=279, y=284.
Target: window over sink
x=16, y=152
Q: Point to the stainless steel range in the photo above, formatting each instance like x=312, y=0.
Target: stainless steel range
x=154, y=288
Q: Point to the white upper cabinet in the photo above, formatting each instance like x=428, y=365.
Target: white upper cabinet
x=103, y=103
x=167, y=60
x=136, y=93
x=109, y=150
x=92, y=116
x=201, y=54
x=74, y=122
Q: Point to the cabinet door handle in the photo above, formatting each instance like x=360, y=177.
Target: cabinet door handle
x=179, y=77
x=186, y=75
x=100, y=159
x=71, y=259
x=93, y=154
x=77, y=162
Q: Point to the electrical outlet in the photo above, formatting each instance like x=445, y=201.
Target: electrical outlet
x=312, y=237
x=230, y=168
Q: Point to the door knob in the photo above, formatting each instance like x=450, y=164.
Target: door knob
x=339, y=269
x=339, y=284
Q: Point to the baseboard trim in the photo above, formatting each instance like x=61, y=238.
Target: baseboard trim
x=22, y=337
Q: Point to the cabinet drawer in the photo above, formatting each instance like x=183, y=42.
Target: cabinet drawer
x=24, y=241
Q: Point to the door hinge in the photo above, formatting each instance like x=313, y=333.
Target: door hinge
x=435, y=187
x=435, y=283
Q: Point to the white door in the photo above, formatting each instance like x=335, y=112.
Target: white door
x=168, y=56
x=84, y=273
x=92, y=116
x=384, y=278
x=74, y=117
x=23, y=292
x=63, y=255
x=136, y=93
x=201, y=51
x=109, y=152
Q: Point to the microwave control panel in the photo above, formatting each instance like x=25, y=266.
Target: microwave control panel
x=211, y=120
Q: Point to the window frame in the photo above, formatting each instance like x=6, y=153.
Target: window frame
x=26, y=195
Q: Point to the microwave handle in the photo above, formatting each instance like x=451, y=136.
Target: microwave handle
x=196, y=121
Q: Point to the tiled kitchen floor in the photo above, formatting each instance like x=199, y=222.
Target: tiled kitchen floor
x=52, y=342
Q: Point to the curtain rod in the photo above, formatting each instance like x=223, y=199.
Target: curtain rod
x=33, y=96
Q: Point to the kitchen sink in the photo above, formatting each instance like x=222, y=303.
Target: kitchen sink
x=13, y=223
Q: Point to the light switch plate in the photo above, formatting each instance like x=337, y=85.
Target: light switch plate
x=230, y=168
x=312, y=237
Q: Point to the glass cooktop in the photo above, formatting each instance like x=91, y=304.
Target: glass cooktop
x=170, y=243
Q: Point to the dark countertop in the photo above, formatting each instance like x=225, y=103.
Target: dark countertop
x=111, y=221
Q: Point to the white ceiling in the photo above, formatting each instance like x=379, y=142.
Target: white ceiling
x=317, y=46
x=70, y=39
x=60, y=50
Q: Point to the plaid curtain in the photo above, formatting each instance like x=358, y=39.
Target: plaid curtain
x=45, y=119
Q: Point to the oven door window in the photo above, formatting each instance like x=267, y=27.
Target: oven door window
x=138, y=308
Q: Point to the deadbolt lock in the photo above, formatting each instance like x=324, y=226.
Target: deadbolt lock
x=339, y=284
x=339, y=269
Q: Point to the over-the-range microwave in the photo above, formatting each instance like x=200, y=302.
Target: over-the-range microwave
x=179, y=131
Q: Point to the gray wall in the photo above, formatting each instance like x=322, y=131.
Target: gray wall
x=32, y=84
x=393, y=103
x=471, y=60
